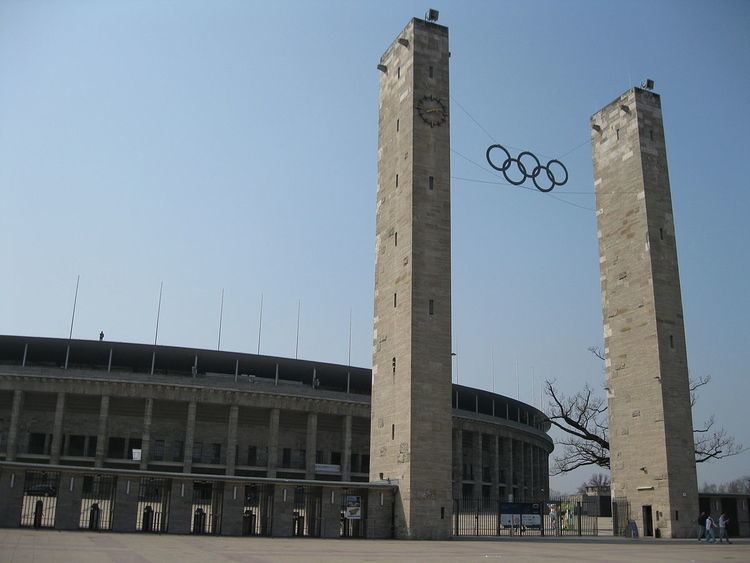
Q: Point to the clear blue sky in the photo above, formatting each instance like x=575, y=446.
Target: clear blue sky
x=232, y=145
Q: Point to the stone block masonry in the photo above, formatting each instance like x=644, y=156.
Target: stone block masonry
x=650, y=419
x=410, y=431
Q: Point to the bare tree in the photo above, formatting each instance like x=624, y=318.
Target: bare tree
x=583, y=419
x=598, y=480
x=737, y=486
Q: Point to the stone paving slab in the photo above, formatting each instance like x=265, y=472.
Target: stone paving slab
x=41, y=546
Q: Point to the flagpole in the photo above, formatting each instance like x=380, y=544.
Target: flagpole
x=221, y=318
x=260, y=321
x=72, y=318
x=296, y=345
x=156, y=331
x=75, y=302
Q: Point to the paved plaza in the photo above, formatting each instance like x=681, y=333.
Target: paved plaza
x=82, y=547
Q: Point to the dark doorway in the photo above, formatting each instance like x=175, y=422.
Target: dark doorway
x=648, y=523
x=729, y=506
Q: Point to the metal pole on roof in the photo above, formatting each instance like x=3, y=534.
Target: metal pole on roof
x=349, y=362
x=260, y=321
x=296, y=345
x=75, y=302
x=221, y=318
x=72, y=318
x=156, y=330
x=158, y=313
x=492, y=366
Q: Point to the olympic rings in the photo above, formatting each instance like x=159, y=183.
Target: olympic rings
x=535, y=167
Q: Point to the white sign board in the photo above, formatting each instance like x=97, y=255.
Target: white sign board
x=327, y=468
x=136, y=455
x=353, y=510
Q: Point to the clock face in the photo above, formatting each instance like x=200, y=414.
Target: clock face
x=432, y=111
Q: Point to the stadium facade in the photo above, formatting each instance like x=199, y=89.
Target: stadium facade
x=131, y=437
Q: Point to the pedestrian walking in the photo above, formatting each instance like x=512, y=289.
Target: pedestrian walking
x=701, y=525
x=723, y=524
x=710, y=525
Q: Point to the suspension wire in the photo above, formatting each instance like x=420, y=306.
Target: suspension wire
x=563, y=192
x=511, y=146
x=474, y=120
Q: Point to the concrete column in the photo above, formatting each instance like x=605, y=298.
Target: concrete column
x=458, y=460
x=15, y=417
x=146, y=438
x=180, y=506
x=330, y=526
x=533, y=477
x=346, y=461
x=311, y=444
x=54, y=455
x=234, y=412
x=380, y=518
x=231, y=513
x=11, y=491
x=68, y=509
x=495, y=469
x=273, y=443
x=477, y=463
x=508, y=465
x=282, y=511
x=125, y=511
x=522, y=471
x=187, y=462
x=101, y=436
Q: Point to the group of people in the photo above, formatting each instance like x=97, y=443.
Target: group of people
x=707, y=527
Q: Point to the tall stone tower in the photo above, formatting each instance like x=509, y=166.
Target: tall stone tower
x=650, y=419
x=411, y=389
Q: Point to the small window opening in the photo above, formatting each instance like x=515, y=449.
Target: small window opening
x=442, y=513
x=395, y=238
x=397, y=180
x=671, y=341
x=651, y=134
x=394, y=365
x=617, y=132
x=398, y=123
x=398, y=72
x=393, y=431
x=676, y=515
x=661, y=233
x=432, y=307
x=394, y=299
x=432, y=182
x=431, y=71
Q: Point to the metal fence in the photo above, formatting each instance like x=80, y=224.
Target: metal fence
x=97, y=502
x=153, y=505
x=307, y=511
x=40, y=499
x=572, y=516
x=206, y=509
x=353, y=519
x=554, y=517
x=620, y=516
x=258, y=510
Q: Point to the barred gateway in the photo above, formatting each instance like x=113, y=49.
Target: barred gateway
x=232, y=444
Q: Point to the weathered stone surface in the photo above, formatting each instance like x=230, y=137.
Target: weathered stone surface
x=411, y=392
x=650, y=418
